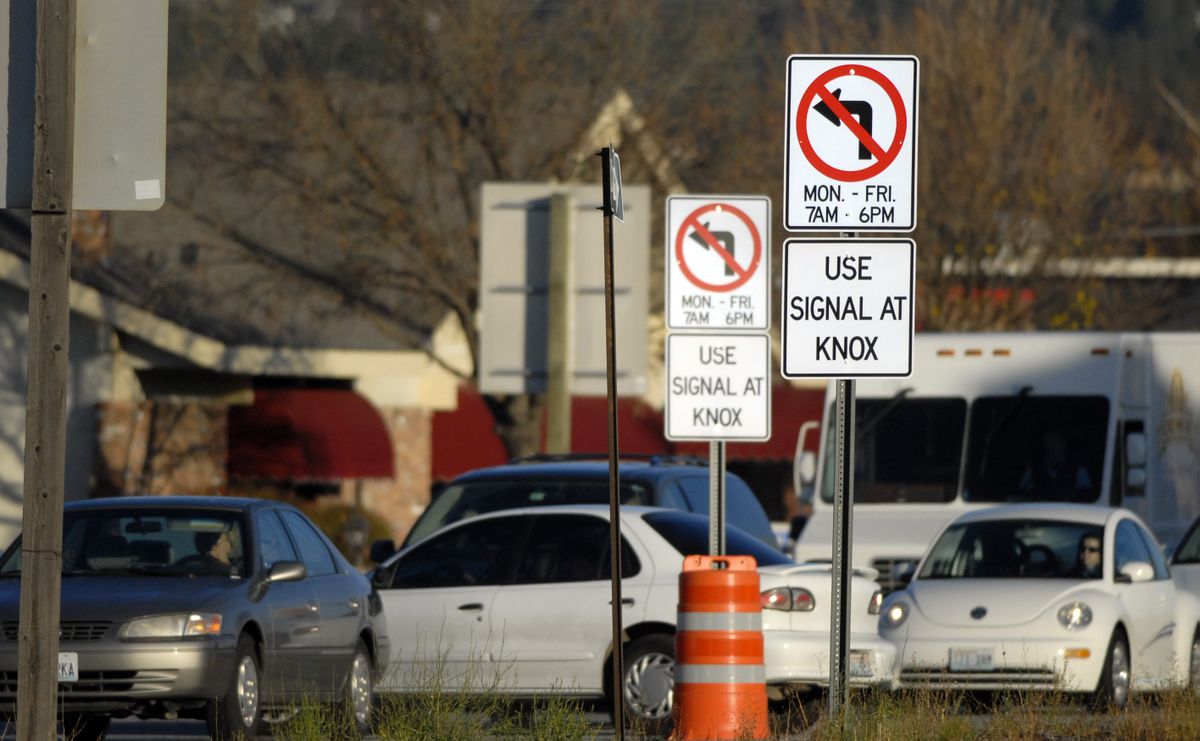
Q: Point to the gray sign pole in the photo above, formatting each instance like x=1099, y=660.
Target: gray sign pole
x=614, y=490
x=843, y=521
x=716, y=498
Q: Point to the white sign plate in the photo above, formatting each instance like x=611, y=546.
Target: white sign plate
x=847, y=308
x=718, y=262
x=718, y=387
x=851, y=145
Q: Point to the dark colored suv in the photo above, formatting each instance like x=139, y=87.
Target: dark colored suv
x=660, y=481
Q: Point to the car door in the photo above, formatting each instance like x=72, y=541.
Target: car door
x=291, y=642
x=437, y=596
x=556, y=618
x=1150, y=606
x=338, y=610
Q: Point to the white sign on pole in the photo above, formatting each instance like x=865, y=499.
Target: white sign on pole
x=848, y=308
x=718, y=387
x=851, y=148
x=718, y=262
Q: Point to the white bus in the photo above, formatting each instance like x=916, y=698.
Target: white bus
x=1001, y=417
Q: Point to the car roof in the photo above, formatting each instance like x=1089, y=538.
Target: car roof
x=1093, y=514
x=652, y=468
x=239, y=504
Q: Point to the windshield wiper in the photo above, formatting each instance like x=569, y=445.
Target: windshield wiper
x=887, y=409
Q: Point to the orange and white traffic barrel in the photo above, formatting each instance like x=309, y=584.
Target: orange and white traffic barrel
x=720, y=680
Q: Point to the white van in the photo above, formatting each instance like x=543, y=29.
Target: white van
x=1002, y=417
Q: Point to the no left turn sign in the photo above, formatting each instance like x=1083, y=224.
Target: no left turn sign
x=851, y=143
x=718, y=262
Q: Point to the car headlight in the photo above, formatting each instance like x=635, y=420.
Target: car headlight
x=894, y=615
x=1075, y=615
x=181, y=625
x=876, y=603
x=794, y=599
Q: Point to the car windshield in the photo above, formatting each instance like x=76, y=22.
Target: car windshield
x=1016, y=549
x=459, y=501
x=145, y=542
x=687, y=533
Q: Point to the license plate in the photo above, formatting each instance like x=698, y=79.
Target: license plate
x=860, y=664
x=68, y=666
x=971, y=660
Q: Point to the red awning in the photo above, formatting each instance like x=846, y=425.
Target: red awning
x=308, y=434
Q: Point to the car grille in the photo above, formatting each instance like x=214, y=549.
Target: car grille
x=72, y=630
x=102, y=684
x=890, y=570
x=1039, y=679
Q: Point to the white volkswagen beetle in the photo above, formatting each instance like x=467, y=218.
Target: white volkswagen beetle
x=1045, y=596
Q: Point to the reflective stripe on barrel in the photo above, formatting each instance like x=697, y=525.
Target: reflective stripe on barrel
x=720, y=690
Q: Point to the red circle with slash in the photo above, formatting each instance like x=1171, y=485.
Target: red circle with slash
x=741, y=274
x=883, y=158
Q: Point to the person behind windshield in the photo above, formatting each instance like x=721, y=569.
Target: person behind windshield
x=212, y=553
x=1053, y=476
x=1090, y=562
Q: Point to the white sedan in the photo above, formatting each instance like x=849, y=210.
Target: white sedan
x=1045, y=596
x=518, y=601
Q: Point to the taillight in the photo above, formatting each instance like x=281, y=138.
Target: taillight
x=876, y=603
x=787, y=600
x=776, y=599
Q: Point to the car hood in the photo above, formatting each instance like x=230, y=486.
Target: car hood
x=122, y=597
x=1005, y=602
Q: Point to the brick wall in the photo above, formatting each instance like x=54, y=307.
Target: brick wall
x=160, y=448
x=401, y=500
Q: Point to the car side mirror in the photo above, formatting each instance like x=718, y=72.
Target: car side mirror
x=382, y=550
x=1135, y=572
x=286, y=571
x=904, y=573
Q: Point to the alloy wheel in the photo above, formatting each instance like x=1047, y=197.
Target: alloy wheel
x=650, y=686
x=360, y=689
x=1120, y=675
x=247, y=690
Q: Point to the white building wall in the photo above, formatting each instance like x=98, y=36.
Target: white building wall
x=88, y=383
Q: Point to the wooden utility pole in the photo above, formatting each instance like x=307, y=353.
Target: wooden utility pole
x=46, y=393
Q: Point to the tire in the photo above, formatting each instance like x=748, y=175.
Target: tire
x=238, y=713
x=85, y=727
x=649, y=681
x=1112, y=691
x=358, y=690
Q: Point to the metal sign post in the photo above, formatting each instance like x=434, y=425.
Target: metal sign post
x=613, y=206
x=716, y=498
x=843, y=520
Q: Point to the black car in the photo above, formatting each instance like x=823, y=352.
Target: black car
x=657, y=481
x=212, y=607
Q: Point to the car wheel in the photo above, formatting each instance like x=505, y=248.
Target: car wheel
x=238, y=713
x=649, y=681
x=84, y=727
x=1113, y=688
x=359, y=687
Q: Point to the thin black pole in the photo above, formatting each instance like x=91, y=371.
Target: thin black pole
x=614, y=500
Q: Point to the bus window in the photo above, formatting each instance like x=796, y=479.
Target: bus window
x=905, y=450
x=1036, y=448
